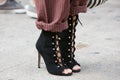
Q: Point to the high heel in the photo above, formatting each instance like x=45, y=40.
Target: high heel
x=39, y=59
x=48, y=47
x=67, y=43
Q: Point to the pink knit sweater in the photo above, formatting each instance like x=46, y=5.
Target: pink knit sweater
x=53, y=14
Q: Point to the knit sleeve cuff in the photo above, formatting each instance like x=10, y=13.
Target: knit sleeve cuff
x=52, y=27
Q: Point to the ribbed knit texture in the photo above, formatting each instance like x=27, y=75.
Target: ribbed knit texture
x=53, y=14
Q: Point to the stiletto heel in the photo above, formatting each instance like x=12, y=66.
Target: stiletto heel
x=39, y=59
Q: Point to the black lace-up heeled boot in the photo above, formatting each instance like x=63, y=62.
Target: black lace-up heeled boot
x=48, y=47
x=67, y=43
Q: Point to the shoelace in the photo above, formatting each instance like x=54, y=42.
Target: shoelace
x=80, y=22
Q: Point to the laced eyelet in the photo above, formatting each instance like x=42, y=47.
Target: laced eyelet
x=70, y=31
x=58, y=66
x=72, y=24
x=68, y=55
x=53, y=37
x=58, y=52
x=53, y=43
x=53, y=48
x=59, y=38
x=54, y=55
x=69, y=43
x=70, y=18
x=69, y=37
x=70, y=61
x=68, y=49
x=56, y=61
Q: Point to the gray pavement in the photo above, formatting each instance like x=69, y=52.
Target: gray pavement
x=97, y=43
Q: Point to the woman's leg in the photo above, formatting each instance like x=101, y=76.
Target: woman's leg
x=52, y=18
x=67, y=43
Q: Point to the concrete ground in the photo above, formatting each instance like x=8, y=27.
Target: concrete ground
x=97, y=43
